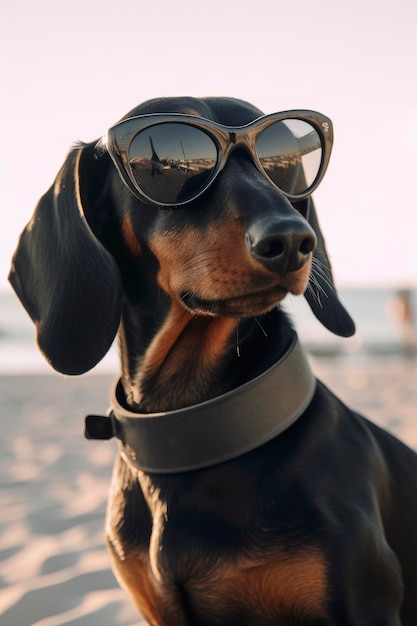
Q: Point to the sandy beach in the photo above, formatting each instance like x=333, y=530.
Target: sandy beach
x=54, y=568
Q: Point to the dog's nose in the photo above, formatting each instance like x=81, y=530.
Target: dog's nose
x=282, y=246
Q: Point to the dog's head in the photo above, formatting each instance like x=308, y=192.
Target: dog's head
x=234, y=250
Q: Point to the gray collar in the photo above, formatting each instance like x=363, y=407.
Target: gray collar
x=214, y=431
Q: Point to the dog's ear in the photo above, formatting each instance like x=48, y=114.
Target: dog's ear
x=321, y=292
x=67, y=281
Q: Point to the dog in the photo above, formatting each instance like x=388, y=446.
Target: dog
x=244, y=493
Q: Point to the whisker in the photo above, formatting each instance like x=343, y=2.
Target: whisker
x=317, y=297
x=320, y=269
x=237, y=340
x=319, y=266
x=185, y=295
x=314, y=293
x=261, y=327
x=317, y=284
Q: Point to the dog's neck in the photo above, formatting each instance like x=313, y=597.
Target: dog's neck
x=191, y=359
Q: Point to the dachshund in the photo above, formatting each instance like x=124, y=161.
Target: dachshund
x=244, y=493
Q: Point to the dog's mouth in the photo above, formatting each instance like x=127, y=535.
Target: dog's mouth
x=244, y=305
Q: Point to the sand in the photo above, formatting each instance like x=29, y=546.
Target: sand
x=54, y=568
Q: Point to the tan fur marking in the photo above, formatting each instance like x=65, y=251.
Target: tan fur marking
x=215, y=264
x=130, y=237
x=132, y=574
x=166, y=338
x=186, y=346
x=296, y=282
x=202, y=344
x=294, y=582
x=213, y=343
x=291, y=583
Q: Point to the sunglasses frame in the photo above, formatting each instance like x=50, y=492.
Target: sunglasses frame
x=119, y=137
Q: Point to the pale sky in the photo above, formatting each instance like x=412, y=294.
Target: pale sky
x=69, y=70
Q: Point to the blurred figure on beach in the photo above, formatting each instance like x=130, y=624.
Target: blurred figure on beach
x=400, y=309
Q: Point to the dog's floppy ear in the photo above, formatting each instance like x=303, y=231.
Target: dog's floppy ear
x=321, y=293
x=67, y=281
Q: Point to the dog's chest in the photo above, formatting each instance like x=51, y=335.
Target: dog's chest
x=200, y=564
x=208, y=551
x=287, y=590
x=288, y=587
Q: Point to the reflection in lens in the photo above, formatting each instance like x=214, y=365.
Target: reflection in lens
x=290, y=152
x=172, y=162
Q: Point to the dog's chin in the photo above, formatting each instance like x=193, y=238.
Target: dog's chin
x=247, y=305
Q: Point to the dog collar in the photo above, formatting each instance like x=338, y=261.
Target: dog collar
x=214, y=431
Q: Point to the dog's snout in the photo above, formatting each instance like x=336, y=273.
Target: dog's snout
x=282, y=246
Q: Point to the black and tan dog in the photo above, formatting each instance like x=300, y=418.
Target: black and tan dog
x=312, y=518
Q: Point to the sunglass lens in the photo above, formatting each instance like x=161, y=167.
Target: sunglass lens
x=290, y=152
x=172, y=162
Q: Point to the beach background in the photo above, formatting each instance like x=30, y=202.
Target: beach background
x=68, y=72
x=54, y=569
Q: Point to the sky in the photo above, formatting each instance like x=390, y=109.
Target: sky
x=70, y=70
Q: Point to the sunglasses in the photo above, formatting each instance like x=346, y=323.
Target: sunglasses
x=168, y=160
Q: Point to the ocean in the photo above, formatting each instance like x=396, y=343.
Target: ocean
x=379, y=332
